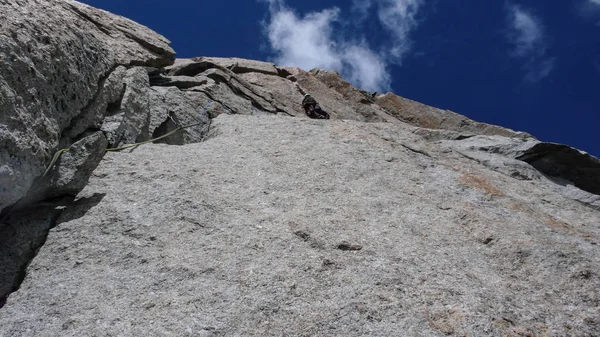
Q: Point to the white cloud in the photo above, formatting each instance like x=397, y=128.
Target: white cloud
x=361, y=7
x=307, y=42
x=366, y=69
x=398, y=16
x=589, y=10
x=529, y=42
x=316, y=40
x=527, y=34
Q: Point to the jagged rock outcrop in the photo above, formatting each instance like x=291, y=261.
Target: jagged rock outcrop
x=70, y=173
x=171, y=108
x=392, y=218
x=56, y=57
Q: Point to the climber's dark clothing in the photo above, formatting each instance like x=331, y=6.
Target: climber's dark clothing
x=317, y=113
x=308, y=100
x=312, y=108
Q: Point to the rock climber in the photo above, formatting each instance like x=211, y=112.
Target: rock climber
x=312, y=108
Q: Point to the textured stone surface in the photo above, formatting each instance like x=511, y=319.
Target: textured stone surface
x=24, y=229
x=106, y=102
x=362, y=103
x=171, y=108
x=133, y=116
x=54, y=57
x=181, y=82
x=21, y=235
x=285, y=93
x=72, y=170
x=430, y=224
x=240, y=66
x=425, y=116
x=329, y=99
x=285, y=226
x=575, y=173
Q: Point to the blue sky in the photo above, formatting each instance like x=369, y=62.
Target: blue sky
x=530, y=65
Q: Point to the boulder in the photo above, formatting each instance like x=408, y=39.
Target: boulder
x=194, y=66
x=56, y=57
x=187, y=67
x=558, y=160
x=260, y=98
x=73, y=169
x=70, y=171
x=129, y=42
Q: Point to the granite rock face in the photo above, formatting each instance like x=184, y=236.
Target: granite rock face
x=54, y=58
x=72, y=170
x=574, y=172
x=248, y=218
x=421, y=115
x=171, y=108
x=361, y=102
x=286, y=226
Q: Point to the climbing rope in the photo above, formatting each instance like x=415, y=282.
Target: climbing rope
x=152, y=140
x=54, y=159
x=61, y=151
x=179, y=128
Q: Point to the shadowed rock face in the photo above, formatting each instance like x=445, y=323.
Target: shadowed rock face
x=391, y=217
x=562, y=161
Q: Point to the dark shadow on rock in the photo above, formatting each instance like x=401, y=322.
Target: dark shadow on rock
x=562, y=161
x=23, y=232
x=559, y=181
x=168, y=126
x=190, y=69
x=80, y=208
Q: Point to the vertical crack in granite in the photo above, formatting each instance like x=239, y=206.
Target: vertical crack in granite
x=22, y=233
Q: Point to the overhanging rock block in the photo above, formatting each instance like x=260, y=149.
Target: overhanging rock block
x=58, y=54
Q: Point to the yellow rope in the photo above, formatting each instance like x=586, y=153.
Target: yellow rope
x=54, y=159
x=60, y=152
x=144, y=142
